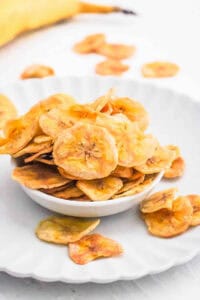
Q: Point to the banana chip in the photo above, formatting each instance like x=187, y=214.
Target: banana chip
x=45, y=161
x=101, y=103
x=195, y=201
x=64, y=230
x=177, y=168
x=38, y=176
x=100, y=189
x=161, y=160
x=33, y=147
x=130, y=184
x=69, y=192
x=90, y=44
x=159, y=69
x=67, y=175
x=45, y=150
x=111, y=67
x=170, y=222
x=92, y=247
x=86, y=151
x=37, y=71
x=123, y=172
x=41, y=139
x=159, y=200
x=134, y=110
x=116, y=51
x=7, y=110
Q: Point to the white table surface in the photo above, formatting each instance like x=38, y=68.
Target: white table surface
x=172, y=26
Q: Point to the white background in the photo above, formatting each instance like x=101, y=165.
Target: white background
x=167, y=30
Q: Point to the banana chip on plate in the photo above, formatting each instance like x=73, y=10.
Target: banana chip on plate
x=161, y=160
x=38, y=176
x=64, y=230
x=7, y=110
x=159, y=69
x=116, y=51
x=111, y=67
x=100, y=189
x=90, y=44
x=195, y=201
x=86, y=151
x=169, y=222
x=159, y=200
x=37, y=71
x=92, y=247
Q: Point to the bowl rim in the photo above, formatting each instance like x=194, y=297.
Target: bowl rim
x=77, y=203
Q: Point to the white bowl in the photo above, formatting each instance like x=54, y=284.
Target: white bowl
x=88, y=209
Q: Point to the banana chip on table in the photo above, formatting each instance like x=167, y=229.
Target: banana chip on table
x=7, y=110
x=116, y=51
x=195, y=201
x=111, y=67
x=161, y=160
x=100, y=189
x=64, y=230
x=177, y=167
x=37, y=71
x=92, y=247
x=86, y=151
x=90, y=44
x=169, y=222
x=159, y=69
x=159, y=200
x=38, y=176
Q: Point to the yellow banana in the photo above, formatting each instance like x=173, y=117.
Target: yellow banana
x=18, y=16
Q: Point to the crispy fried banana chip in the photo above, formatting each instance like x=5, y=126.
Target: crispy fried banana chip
x=111, y=67
x=41, y=139
x=7, y=110
x=170, y=222
x=135, y=186
x=45, y=150
x=177, y=168
x=67, y=175
x=92, y=247
x=161, y=160
x=123, y=172
x=44, y=160
x=38, y=176
x=134, y=147
x=131, y=183
x=159, y=69
x=100, y=189
x=37, y=71
x=159, y=200
x=32, y=147
x=86, y=151
x=101, y=103
x=195, y=201
x=116, y=51
x=64, y=230
x=69, y=192
x=90, y=44
x=134, y=110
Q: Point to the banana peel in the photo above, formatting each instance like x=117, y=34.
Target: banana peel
x=18, y=16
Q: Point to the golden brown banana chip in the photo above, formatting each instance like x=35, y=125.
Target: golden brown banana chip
x=7, y=110
x=41, y=139
x=67, y=175
x=159, y=200
x=100, y=103
x=90, y=44
x=100, y=189
x=33, y=147
x=111, y=67
x=45, y=161
x=56, y=189
x=37, y=71
x=38, y=176
x=86, y=151
x=130, y=184
x=116, y=51
x=195, y=201
x=177, y=168
x=170, y=222
x=159, y=69
x=123, y=172
x=134, y=110
x=161, y=160
x=38, y=154
x=92, y=247
x=64, y=230
x=69, y=192
x=135, y=187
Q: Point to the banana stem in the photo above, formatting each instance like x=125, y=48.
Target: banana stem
x=103, y=9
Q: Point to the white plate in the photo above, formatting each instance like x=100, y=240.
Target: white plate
x=174, y=119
